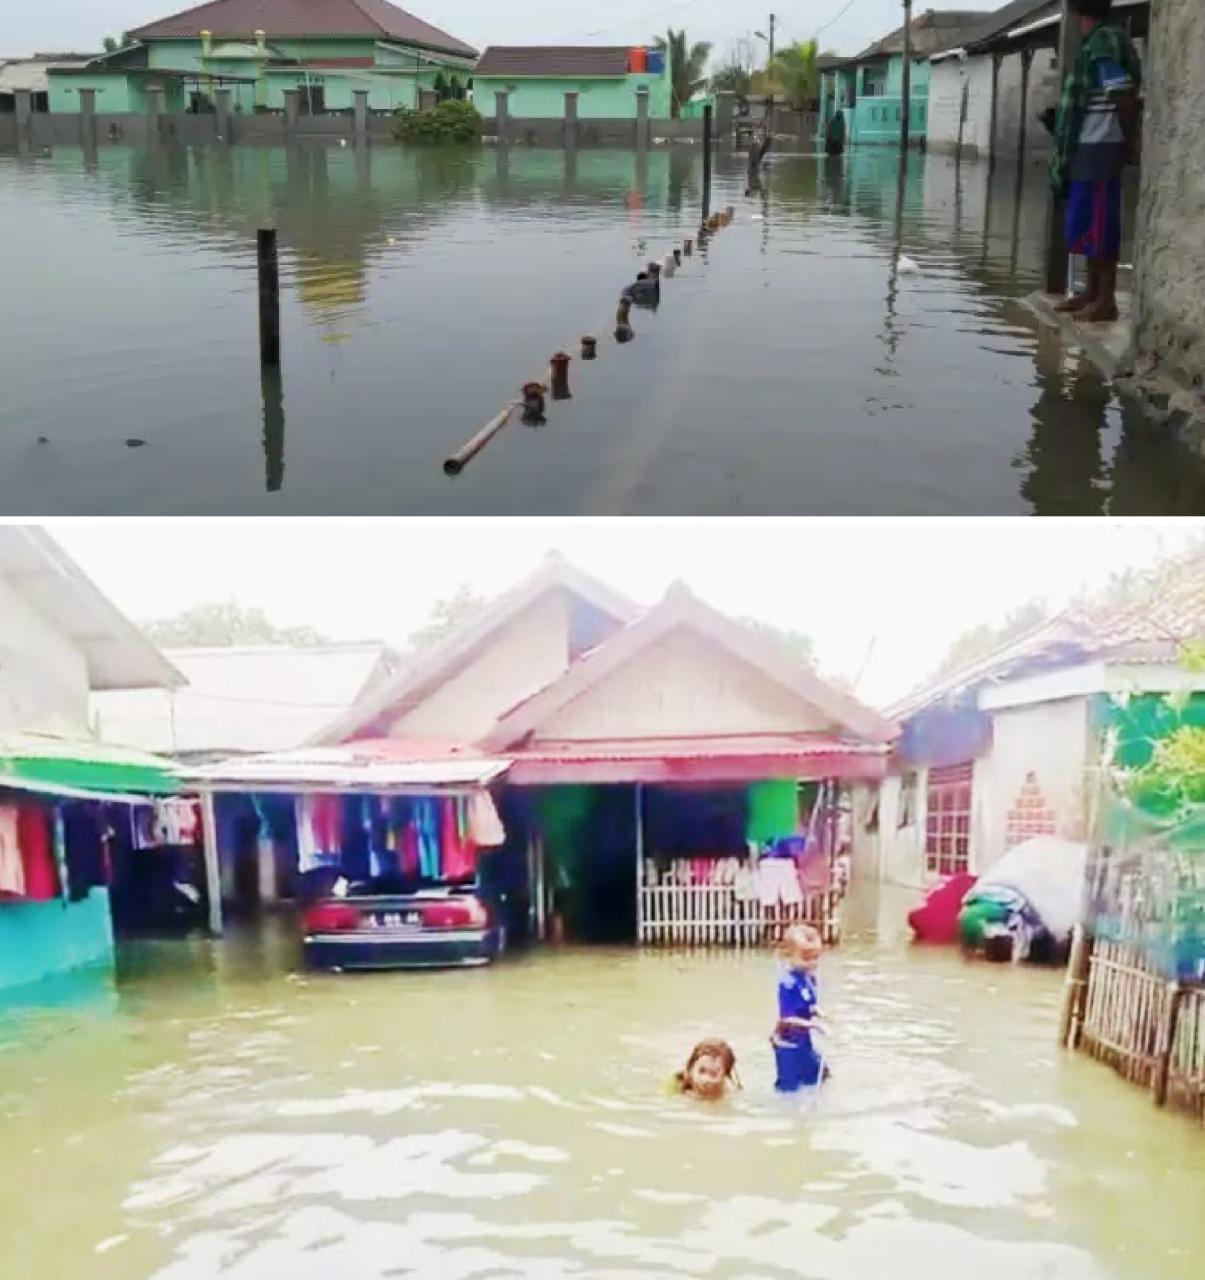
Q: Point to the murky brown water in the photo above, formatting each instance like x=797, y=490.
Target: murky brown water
x=836, y=353
x=224, y=1118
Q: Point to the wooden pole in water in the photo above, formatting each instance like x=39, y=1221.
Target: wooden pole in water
x=269, y=297
x=213, y=870
x=1167, y=1042
x=707, y=113
x=455, y=464
x=1075, y=989
x=906, y=87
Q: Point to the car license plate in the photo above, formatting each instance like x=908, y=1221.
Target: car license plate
x=397, y=919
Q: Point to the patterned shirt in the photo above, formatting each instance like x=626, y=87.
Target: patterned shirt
x=1089, y=142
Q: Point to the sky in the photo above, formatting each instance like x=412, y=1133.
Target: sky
x=845, y=26
x=882, y=600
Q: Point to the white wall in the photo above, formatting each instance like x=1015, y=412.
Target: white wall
x=522, y=658
x=43, y=676
x=683, y=685
x=902, y=848
x=1052, y=742
x=945, y=98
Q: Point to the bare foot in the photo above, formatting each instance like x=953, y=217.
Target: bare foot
x=1103, y=311
x=1076, y=303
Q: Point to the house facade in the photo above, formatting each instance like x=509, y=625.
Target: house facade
x=259, y=51
x=583, y=82
x=625, y=746
x=867, y=90
x=1012, y=746
x=60, y=640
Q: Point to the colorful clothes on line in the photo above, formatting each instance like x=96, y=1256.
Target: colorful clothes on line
x=37, y=853
x=319, y=831
x=12, y=869
x=485, y=827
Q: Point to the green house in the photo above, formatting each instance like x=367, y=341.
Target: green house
x=608, y=81
x=327, y=50
x=868, y=89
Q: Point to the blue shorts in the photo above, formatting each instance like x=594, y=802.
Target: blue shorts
x=1094, y=219
x=799, y=1066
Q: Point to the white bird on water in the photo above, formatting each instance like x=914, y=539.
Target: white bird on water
x=907, y=266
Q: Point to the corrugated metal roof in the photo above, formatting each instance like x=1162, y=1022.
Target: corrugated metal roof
x=554, y=60
x=931, y=33
x=298, y=18
x=246, y=698
x=697, y=748
x=358, y=767
x=30, y=74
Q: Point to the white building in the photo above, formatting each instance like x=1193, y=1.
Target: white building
x=1008, y=746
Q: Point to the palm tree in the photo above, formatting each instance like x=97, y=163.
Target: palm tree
x=687, y=66
x=794, y=75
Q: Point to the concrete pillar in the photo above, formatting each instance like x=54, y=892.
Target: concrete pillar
x=571, y=99
x=428, y=100
x=224, y=120
x=87, y=118
x=360, y=98
x=155, y=108
x=292, y=110
x=503, y=113
x=725, y=116
x=642, y=117
x=267, y=870
x=213, y=872
x=24, y=103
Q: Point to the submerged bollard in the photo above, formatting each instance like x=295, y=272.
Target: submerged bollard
x=670, y=265
x=688, y=248
x=677, y=257
x=533, y=404
x=268, y=264
x=589, y=348
x=623, y=321
x=559, y=366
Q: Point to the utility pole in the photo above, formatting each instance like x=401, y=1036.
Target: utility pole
x=770, y=68
x=906, y=87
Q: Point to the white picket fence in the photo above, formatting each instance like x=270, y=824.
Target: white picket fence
x=713, y=916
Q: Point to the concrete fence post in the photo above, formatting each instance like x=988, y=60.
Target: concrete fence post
x=224, y=121
x=155, y=103
x=571, y=99
x=642, y=117
x=725, y=115
x=502, y=110
x=87, y=118
x=24, y=111
x=292, y=110
x=360, y=98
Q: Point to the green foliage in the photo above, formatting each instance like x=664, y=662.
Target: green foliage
x=1174, y=780
x=793, y=75
x=688, y=64
x=449, y=122
x=448, y=615
x=981, y=640
x=222, y=625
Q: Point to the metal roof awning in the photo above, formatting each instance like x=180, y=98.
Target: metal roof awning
x=84, y=770
x=355, y=767
x=806, y=757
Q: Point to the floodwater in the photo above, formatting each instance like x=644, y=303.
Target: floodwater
x=837, y=351
x=222, y=1118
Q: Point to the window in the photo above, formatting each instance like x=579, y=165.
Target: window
x=313, y=99
x=906, y=814
x=948, y=821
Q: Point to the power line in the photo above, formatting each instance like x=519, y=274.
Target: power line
x=833, y=21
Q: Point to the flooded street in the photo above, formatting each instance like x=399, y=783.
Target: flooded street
x=831, y=353
x=221, y=1116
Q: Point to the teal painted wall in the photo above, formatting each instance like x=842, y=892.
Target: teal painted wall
x=115, y=95
x=875, y=119
x=40, y=940
x=543, y=98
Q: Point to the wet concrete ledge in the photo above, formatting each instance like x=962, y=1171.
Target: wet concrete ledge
x=1164, y=402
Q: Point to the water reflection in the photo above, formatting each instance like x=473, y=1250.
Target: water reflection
x=421, y=287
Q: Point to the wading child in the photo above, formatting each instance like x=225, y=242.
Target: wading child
x=796, y=1059
x=1096, y=136
x=709, y=1070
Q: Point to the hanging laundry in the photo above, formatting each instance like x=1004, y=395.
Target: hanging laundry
x=12, y=869
x=459, y=863
x=773, y=810
x=426, y=822
x=778, y=881
x=85, y=855
x=37, y=853
x=485, y=826
x=319, y=841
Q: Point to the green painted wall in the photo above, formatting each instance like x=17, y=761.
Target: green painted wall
x=543, y=98
x=114, y=93
x=40, y=940
x=875, y=120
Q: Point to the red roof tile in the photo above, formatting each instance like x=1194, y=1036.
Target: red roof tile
x=299, y=18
